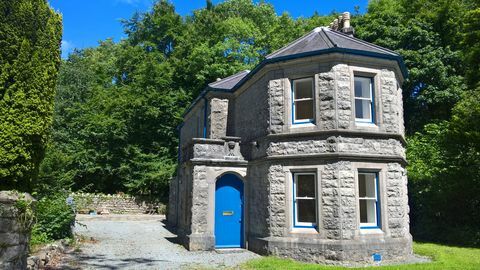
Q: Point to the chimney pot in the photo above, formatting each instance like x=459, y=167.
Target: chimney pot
x=335, y=24
x=346, y=19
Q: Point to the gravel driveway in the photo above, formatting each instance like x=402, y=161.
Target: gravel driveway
x=142, y=242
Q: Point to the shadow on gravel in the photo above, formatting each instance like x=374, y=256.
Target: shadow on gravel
x=175, y=239
x=100, y=262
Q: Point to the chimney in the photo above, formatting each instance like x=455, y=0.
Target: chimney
x=342, y=24
x=347, y=29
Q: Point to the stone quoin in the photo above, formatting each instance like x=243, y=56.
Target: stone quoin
x=302, y=157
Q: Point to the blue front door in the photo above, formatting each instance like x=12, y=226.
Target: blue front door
x=229, y=212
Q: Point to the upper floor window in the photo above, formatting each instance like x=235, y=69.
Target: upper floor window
x=304, y=199
x=364, y=100
x=368, y=200
x=302, y=101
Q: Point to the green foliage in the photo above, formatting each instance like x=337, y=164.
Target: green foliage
x=30, y=34
x=426, y=34
x=444, y=176
x=444, y=257
x=54, y=219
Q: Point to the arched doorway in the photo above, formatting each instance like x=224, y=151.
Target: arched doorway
x=229, y=212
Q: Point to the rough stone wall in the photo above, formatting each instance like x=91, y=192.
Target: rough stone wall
x=258, y=200
x=193, y=125
x=331, y=200
x=199, y=200
x=326, y=100
x=344, y=98
x=278, y=200
x=184, y=201
x=391, y=103
x=173, y=196
x=14, y=235
x=397, y=200
x=218, y=118
x=348, y=201
x=251, y=111
x=116, y=204
x=334, y=144
x=276, y=91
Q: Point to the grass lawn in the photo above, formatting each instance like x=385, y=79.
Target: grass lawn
x=444, y=257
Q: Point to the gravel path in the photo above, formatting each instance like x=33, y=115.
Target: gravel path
x=142, y=242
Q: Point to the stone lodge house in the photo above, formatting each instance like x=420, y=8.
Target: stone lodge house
x=302, y=157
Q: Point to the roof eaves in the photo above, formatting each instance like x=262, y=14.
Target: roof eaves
x=396, y=57
x=229, y=78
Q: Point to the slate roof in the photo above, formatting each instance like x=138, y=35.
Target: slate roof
x=323, y=38
x=229, y=82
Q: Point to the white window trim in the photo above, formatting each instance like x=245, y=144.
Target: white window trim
x=296, y=223
x=302, y=121
x=370, y=120
x=376, y=224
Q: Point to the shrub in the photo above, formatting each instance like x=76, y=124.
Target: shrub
x=54, y=219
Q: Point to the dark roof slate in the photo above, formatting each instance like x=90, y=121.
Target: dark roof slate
x=229, y=82
x=323, y=38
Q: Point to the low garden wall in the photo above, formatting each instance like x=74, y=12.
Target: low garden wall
x=88, y=203
x=16, y=220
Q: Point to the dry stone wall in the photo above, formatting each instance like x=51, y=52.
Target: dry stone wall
x=116, y=204
x=15, y=224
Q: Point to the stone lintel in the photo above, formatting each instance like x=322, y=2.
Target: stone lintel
x=218, y=162
x=338, y=132
x=338, y=156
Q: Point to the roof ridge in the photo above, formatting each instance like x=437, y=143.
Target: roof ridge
x=328, y=38
x=289, y=44
x=361, y=41
x=229, y=77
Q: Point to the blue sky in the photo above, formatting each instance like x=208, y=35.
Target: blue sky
x=85, y=22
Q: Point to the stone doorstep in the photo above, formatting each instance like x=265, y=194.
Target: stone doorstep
x=229, y=250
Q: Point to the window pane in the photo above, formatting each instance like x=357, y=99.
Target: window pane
x=367, y=211
x=362, y=87
x=306, y=210
x=303, y=89
x=306, y=185
x=366, y=185
x=304, y=109
x=362, y=109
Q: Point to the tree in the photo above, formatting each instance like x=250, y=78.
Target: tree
x=30, y=36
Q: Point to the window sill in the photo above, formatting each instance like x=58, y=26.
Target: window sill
x=365, y=124
x=366, y=231
x=299, y=230
x=302, y=125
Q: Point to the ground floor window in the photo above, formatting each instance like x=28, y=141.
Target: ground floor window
x=304, y=199
x=369, y=202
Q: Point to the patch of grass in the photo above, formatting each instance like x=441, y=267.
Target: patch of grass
x=444, y=257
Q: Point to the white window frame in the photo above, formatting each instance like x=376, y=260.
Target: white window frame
x=296, y=223
x=370, y=120
x=296, y=121
x=377, y=223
